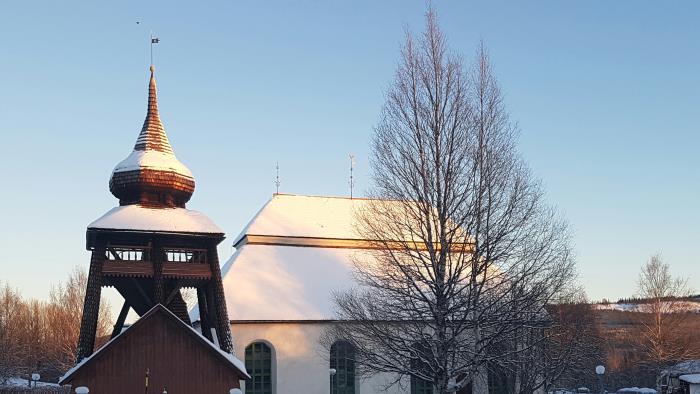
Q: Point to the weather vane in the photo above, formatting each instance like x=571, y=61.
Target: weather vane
x=154, y=40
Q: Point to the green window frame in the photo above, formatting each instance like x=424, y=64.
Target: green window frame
x=343, y=361
x=258, y=363
x=418, y=385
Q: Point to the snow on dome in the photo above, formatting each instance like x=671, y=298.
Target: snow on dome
x=153, y=160
x=152, y=174
x=172, y=220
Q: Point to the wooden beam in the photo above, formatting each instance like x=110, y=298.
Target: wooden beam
x=186, y=270
x=142, y=292
x=173, y=293
x=114, y=253
x=119, y=325
x=204, y=322
x=134, y=269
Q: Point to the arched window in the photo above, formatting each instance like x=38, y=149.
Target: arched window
x=343, y=361
x=258, y=363
x=418, y=385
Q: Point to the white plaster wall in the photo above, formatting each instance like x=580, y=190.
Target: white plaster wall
x=694, y=388
x=301, y=363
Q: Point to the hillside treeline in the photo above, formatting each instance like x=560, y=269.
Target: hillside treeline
x=637, y=348
x=41, y=336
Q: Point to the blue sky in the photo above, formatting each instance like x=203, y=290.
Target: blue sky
x=606, y=94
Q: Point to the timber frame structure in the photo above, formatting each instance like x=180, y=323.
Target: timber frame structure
x=156, y=247
x=149, y=269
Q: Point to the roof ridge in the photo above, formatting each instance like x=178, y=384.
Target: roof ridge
x=322, y=196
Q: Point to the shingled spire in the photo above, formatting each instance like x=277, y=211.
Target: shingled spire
x=152, y=134
x=152, y=175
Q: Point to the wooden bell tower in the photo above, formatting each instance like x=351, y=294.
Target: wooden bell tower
x=150, y=246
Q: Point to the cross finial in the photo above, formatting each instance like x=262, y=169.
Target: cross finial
x=277, y=178
x=352, y=180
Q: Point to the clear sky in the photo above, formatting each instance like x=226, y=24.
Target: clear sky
x=606, y=94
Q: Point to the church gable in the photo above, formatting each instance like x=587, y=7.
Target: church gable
x=290, y=259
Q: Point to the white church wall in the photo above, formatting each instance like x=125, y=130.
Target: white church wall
x=300, y=363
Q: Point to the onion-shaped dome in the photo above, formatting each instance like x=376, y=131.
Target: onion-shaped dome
x=151, y=175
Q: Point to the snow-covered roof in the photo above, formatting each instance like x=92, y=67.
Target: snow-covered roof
x=691, y=378
x=233, y=360
x=292, y=257
x=272, y=282
x=683, y=368
x=171, y=220
x=288, y=215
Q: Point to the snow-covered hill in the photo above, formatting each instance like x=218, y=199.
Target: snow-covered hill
x=674, y=306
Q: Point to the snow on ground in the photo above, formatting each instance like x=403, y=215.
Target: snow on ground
x=677, y=306
x=19, y=382
x=637, y=390
x=626, y=390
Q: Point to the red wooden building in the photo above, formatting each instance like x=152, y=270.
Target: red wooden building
x=158, y=352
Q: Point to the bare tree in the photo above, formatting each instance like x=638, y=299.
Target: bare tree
x=569, y=353
x=664, y=332
x=10, y=329
x=465, y=253
x=37, y=336
x=63, y=314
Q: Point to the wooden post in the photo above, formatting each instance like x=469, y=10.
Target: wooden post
x=158, y=285
x=204, y=313
x=211, y=308
x=91, y=307
x=221, y=321
x=120, y=320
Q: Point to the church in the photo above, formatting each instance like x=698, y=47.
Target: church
x=290, y=259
